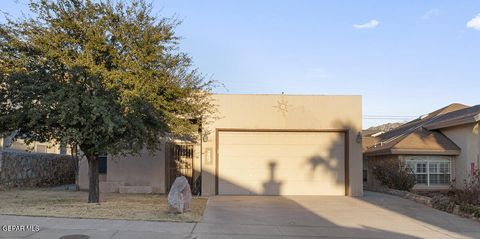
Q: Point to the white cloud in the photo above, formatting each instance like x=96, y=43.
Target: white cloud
x=430, y=13
x=474, y=23
x=370, y=24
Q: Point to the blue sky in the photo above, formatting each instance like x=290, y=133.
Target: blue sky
x=405, y=58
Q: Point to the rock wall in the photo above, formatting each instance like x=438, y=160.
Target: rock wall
x=22, y=169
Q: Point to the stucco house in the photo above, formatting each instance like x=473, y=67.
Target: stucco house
x=6, y=143
x=258, y=145
x=439, y=147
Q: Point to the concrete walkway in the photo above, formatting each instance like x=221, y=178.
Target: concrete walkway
x=373, y=216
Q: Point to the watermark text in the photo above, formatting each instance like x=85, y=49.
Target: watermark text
x=20, y=228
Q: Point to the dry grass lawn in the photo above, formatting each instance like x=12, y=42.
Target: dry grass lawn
x=52, y=203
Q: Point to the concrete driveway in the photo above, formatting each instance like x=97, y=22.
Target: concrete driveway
x=373, y=216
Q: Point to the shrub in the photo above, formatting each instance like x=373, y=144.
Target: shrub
x=443, y=203
x=470, y=193
x=470, y=209
x=394, y=175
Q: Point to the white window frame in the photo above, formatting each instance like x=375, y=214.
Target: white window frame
x=429, y=160
x=41, y=145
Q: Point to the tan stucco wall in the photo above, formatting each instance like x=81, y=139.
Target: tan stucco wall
x=83, y=174
x=82, y=180
x=467, y=137
x=313, y=112
x=144, y=169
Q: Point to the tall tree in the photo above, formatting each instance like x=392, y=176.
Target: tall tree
x=105, y=76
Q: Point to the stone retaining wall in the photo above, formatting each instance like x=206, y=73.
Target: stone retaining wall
x=408, y=195
x=428, y=201
x=23, y=169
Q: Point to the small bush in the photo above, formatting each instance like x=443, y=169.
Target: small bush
x=470, y=193
x=394, y=175
x=443, y=203
x=470, y=209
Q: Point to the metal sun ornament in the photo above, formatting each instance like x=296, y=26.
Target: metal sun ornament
x=282, y=106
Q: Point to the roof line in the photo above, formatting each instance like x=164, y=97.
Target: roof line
x=413, y=151
x=404, y=134
x=454, y=121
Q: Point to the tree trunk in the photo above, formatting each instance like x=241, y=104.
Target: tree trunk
x=93, y=186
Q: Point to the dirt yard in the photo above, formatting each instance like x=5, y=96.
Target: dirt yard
x=72, y=204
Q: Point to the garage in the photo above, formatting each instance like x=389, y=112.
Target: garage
x=281, y=162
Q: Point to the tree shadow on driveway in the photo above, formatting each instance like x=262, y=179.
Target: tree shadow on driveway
x=295, y=216
x=298, y=216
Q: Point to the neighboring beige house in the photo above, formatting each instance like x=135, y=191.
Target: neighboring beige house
x=441, y=146
x=34, y=147
x=259, y=145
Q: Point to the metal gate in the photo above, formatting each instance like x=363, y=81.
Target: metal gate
x=179, y=162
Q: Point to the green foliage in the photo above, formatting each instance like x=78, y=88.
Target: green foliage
x=106, y=77
x=394, y=175
x=470, y=209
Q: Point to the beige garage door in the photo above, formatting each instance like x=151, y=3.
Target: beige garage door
x=281, y=163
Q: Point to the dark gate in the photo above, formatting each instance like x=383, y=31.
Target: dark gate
x=179, y=162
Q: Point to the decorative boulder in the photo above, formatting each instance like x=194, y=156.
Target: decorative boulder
x=180, y=195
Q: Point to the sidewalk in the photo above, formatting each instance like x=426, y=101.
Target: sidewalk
x=53, y=228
